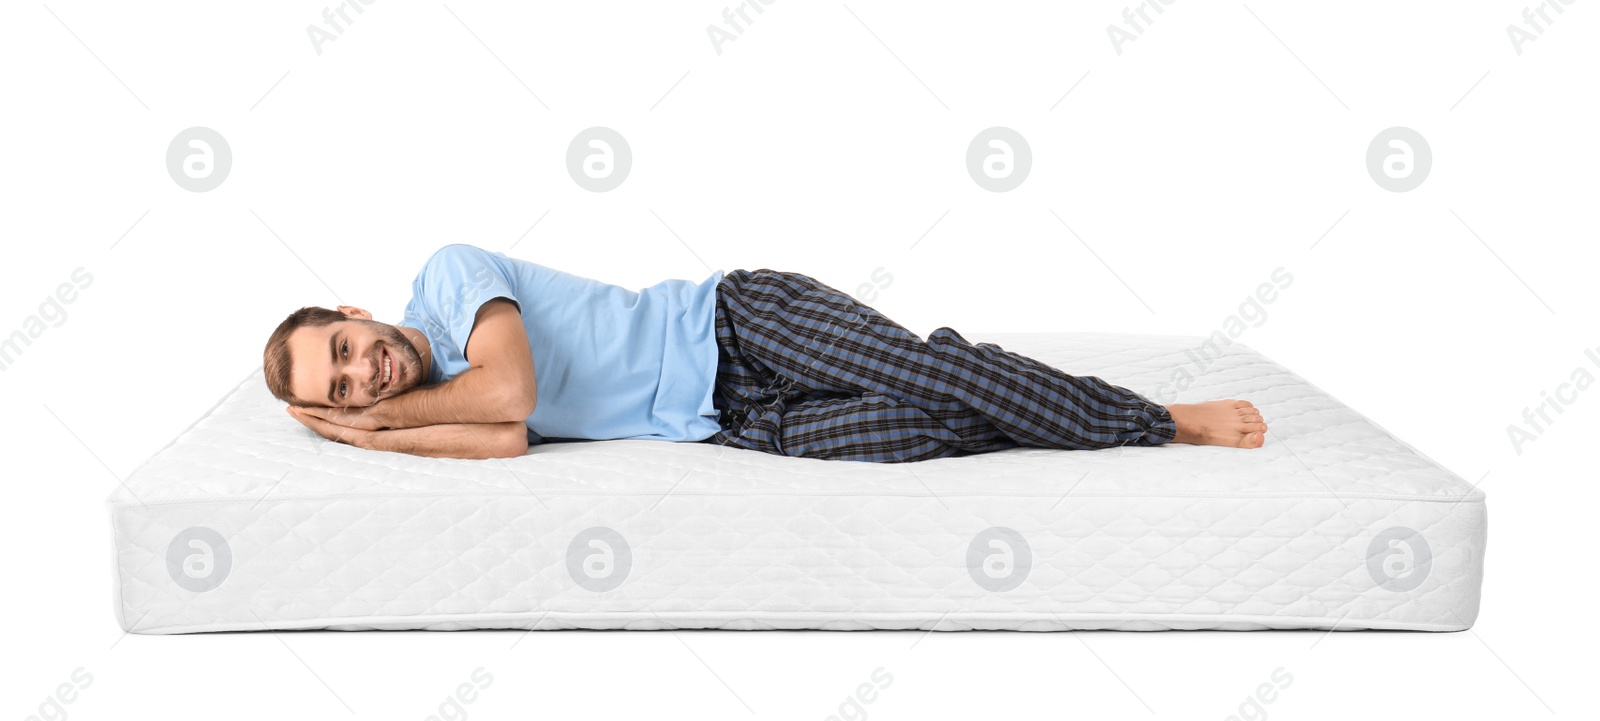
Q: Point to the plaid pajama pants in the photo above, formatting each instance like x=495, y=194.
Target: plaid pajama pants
x=805, y=370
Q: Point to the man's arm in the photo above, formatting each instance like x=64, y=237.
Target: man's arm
x=498, y=387
x=455, y=440
x=507, y=439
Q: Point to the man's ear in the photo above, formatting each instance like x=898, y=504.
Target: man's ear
x=353, y=312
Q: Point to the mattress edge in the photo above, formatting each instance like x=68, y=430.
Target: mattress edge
x=925, y=620
x=1472, y=487
x=123, y=489
x=119, y=609
x=116, y=505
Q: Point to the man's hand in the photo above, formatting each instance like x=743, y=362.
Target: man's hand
x=332, y=430
x=507, y=439
x=366, y=418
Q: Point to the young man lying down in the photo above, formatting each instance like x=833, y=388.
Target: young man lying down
x=495, y=353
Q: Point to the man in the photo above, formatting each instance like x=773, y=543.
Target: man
x=494, y=353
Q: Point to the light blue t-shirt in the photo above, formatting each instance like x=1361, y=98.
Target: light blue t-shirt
x=609, y=362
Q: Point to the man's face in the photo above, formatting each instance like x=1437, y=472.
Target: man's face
x=351, y=363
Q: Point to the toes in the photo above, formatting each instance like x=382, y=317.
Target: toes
x=1243, y=404
x=1252, y=440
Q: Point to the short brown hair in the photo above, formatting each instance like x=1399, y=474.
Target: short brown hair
x=275, y=359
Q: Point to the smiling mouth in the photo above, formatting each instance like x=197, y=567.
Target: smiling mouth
x=386, y=370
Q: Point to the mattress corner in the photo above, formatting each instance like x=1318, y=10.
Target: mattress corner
x=118, y=609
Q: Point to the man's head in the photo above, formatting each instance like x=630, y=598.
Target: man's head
x=322, y=357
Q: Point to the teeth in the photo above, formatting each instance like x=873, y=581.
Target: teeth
x=386, y=371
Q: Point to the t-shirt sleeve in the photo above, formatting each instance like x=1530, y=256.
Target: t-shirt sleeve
x=459, y=279
x=413, y=315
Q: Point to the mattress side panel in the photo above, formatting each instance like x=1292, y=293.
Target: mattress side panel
x=690, y=561
x=118, y=607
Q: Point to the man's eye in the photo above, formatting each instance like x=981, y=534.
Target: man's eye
x=341, y=389
x=344, y=350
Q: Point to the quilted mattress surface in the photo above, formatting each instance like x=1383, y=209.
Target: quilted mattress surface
x=248, y=521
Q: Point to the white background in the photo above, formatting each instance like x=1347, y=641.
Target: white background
x=1226, y=141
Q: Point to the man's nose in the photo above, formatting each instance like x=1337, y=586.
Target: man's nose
x=360, y=371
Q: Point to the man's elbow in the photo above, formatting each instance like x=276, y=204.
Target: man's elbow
x=519, y=402
x=510, y=442
x=513, y=448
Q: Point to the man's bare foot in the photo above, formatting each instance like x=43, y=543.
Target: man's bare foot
x=1219, y=423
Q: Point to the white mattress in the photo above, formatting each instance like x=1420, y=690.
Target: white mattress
x=249, y=521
